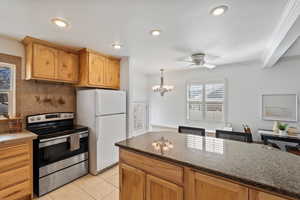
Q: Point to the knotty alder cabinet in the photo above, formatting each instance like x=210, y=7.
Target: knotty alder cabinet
x=16, y=171
x=97, y=70
x=146, y=178
x=50, y=62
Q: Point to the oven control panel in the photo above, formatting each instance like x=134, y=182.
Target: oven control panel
x=49, y=117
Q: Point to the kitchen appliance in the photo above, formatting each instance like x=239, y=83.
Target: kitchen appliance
x=104, y=112
x=60, y=153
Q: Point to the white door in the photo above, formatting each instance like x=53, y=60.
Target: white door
x=111, y=129
x=110, y=102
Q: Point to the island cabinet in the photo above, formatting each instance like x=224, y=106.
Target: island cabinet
x=50, y=62
x=16, y=171
x=98, y=70
x=144, y=177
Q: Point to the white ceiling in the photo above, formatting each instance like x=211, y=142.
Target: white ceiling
x=187, y=27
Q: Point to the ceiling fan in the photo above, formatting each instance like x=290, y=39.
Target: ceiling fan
x=199, y=60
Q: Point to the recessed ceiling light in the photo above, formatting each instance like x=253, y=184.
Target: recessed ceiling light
x=60, y=22
x=155, y=32
x=117, y=46
x=220, y=10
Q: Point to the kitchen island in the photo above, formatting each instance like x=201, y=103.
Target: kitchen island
x=173, y=166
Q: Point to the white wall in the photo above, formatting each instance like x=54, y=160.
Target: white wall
x=245, y=85
x=135, y=84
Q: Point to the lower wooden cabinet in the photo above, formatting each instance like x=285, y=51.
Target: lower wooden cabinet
x=207, y=188
x=159, y=189
x=258, y=195
x=16, y=171
x=146, y=178
x=132, y=183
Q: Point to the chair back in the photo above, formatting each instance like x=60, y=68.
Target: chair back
x=230, y=135
x=191, y=130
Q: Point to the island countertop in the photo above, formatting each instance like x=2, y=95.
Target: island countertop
x=248, y=163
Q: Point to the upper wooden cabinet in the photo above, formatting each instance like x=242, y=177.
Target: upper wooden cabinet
x=50, y=62
x=97, y=70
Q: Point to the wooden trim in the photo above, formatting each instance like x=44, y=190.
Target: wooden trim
x=28, y=40
x=87, y=50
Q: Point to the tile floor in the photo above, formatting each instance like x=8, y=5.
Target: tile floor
x=104, y=186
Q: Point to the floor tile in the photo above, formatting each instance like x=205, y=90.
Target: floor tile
x=46, y=197
x=114, y=180
x=112, y=196
x=95, y=186
x=70, y=192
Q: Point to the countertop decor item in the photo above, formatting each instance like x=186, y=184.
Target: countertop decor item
x=162, y=88
x=282, y=128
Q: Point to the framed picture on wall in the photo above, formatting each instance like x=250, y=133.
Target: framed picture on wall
x=140, y=117
x=280, y=107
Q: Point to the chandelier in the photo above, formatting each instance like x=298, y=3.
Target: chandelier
x=162, y=89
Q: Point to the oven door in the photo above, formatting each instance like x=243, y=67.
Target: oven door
x=55, y=149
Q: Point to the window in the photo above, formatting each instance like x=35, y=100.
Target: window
x=7, y=90
x=205, y=101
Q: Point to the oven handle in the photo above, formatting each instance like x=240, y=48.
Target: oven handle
x=60, y=139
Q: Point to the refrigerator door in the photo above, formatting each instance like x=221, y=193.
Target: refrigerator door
x=110, y=102
x=112, y=129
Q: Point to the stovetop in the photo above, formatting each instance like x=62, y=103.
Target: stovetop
x=54, y=131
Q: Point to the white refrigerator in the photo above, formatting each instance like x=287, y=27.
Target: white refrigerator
x=104, y=112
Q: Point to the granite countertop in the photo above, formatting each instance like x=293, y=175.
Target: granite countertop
x=248, y=163
x=6, y=138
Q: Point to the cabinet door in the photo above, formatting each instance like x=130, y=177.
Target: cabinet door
x=68, y=65
x=132, y=183
x=207, y=188
x=116, y=74
x=44, y=62
x=158, y=189
x=257, y=195
x=109, y=73
x=97, y=65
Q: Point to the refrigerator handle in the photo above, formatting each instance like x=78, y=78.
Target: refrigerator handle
x=97, y=129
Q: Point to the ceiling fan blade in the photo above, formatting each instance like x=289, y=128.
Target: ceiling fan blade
x=209, y=66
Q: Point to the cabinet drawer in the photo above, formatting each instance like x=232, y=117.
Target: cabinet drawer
x=14, y=156
x=161, y=169
x=13, y=177
x=16, y=192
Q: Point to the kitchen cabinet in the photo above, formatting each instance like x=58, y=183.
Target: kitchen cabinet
x=258, y=195
x=50, y=62
x=68, y=67
x=98, y=70
x=44, y=62
x=150, y=178
x=160, y=189
x=133, y=183
x=206, y=187
x=16, y=171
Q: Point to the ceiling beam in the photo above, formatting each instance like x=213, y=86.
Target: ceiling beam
x=285, y=34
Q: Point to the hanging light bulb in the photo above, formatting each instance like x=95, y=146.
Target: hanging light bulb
x=162, y=89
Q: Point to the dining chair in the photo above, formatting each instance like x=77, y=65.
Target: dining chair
x=237, y=136
x=191, y=130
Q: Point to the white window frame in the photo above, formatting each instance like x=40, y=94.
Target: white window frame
x=203, y=100
x=12, y=90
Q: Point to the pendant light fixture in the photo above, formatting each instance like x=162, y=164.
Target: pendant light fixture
x=162, y=89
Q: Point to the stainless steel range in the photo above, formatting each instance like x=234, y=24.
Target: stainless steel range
x=60, y=152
